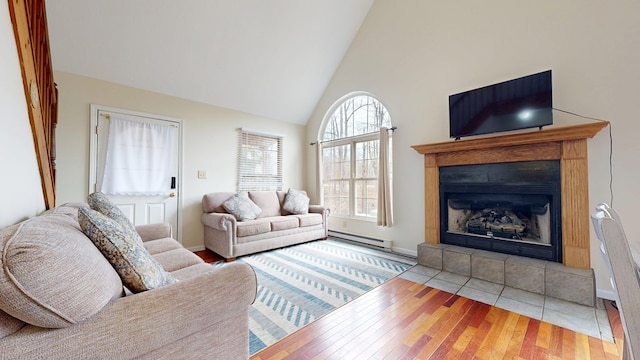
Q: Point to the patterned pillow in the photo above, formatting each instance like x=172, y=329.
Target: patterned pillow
x=137, y=269
x=240, y=206
x=101, y=203
x=296, y=202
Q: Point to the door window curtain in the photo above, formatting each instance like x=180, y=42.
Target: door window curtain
x=140, y=158
x=385, y=207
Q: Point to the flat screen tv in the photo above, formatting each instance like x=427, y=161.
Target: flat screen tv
x=510, y=105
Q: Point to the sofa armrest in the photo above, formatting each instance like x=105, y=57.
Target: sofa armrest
x=321, y=209
x=154, y=231
x=219, y=221
x=133, y=325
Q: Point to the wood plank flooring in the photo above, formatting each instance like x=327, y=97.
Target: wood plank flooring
x=209, y=256
x=405, y=320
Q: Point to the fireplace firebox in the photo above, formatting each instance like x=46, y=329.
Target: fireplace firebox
x=512, y=208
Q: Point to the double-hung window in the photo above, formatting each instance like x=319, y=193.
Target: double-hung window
x=350, y=152
x=259, y=161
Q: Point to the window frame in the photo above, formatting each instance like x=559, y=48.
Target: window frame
x=352, y=141
x=248, y=181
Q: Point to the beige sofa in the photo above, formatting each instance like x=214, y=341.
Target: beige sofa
x=273, y=228
x=61, y=299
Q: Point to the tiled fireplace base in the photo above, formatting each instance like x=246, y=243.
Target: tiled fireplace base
x=536, y=276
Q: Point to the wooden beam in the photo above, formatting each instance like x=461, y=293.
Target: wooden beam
x=575, y=204
x=551, y=134
x=529, y=152
x=431, y=200
x=42, y=122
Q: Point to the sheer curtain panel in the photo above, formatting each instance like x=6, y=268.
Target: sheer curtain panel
x=140, y=158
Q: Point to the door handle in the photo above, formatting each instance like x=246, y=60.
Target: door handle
x=172, y=194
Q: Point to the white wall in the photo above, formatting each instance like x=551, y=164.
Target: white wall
x=19, y=180
x=413, y=54
x=210, y=141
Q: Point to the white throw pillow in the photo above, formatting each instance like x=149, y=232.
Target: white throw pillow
x=240, y=206
x=296, y=202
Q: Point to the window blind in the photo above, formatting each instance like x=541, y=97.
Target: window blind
x=259, y=161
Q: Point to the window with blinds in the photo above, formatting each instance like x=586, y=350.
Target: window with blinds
x=259, y=161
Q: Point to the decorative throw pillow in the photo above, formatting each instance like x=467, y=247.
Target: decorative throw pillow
x=296, y=202
x=137, y=269
x=240, y=206
x=39, y=289
x=101, y=203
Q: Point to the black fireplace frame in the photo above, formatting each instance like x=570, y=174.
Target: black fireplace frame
x=516, y=178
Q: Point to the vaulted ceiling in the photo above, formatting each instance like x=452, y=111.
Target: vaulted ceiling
x=269, y=58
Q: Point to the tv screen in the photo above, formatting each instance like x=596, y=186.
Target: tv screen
x=520, y=103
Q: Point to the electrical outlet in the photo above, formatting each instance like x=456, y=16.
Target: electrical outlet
x=202, y=174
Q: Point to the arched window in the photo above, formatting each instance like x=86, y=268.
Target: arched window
x=350, y=141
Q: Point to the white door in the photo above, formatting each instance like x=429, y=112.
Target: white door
x=141, y=210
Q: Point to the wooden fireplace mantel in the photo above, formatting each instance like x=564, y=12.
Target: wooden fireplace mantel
x=565, y=143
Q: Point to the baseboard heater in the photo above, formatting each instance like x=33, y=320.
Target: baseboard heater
x=385, y=244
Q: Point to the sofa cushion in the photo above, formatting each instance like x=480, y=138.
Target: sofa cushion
x=255, y=227
x=137, y=268
x=284, y=223
x=296, y=202
x=281, y=196
x=177, y=259
x=9, y=324
x=51, y=275
x=101, y=203
x=154, y=231
x=70, y=209
x=309, y=219
x=240, y=206
x=267, y=201
x=212, y=202
x=161, y=245
x=192, y=271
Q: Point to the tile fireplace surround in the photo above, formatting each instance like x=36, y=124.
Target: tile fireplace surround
x=568, y=144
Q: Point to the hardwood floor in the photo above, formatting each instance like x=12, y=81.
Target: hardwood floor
x=209, y=256
x=405, y=320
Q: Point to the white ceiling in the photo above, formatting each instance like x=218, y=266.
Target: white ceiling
x=269, y=58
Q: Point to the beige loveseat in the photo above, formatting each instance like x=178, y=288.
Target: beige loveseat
x=61, y=299
x=273, y=228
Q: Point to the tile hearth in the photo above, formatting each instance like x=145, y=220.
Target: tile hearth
x=539, y=289
x=532, y=275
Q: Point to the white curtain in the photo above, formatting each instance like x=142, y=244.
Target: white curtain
x=385, y=208
x=140, y=158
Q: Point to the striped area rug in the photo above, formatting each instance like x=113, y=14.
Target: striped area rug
x=301, y=283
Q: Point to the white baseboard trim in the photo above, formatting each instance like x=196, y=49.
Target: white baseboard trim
x=196, y=248
x=385, y=244
x=406, y=252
